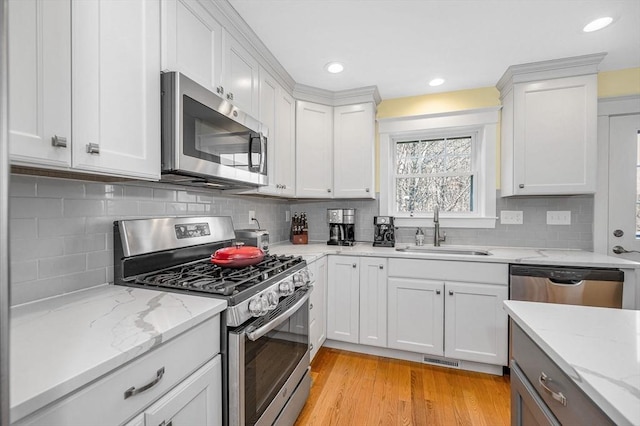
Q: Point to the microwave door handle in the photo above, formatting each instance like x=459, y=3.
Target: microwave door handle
x=260, y=332
x=263, y=155
x=252, y=138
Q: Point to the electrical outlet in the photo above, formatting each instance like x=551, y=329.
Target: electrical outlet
x=252, y=215
x=511, y=217
x=562, y=217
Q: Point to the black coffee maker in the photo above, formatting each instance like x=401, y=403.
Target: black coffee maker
x=341, y=227
x=384, y=235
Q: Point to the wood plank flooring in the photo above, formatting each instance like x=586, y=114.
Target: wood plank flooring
x=356, y=389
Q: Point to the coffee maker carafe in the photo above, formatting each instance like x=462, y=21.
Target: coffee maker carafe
x=384, y=235
x=341, y=227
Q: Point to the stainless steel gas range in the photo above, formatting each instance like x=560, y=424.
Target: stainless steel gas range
x=265, y=328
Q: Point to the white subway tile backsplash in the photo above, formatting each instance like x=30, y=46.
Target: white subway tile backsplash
x=151, y=208
x=23, y=228
x=122, y=208
x=138, y=192
x=69, y=235
x=99, y=259
x=84, y=243
x=58, y=188
x=61, y=226
x=20, y=207
x=28, y=249
x=21, y=186
x=23, y=271
x=62, y=265
x=104, y=191
x=83, y=208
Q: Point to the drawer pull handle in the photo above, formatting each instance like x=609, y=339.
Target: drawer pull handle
x=133, y=391
x=558, y=396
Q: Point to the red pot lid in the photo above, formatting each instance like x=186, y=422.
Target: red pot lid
x=239, y=252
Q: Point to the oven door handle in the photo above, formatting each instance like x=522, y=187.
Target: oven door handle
x=260, y=332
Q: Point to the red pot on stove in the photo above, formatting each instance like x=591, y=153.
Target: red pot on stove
x=238, y=256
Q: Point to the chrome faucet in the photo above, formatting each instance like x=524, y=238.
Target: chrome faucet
x=437, y=239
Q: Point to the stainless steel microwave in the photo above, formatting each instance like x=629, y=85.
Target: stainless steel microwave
x=206, y=140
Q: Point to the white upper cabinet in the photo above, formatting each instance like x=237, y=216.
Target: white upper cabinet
x=116, y=81
x=335, y=150
x=240, y=76
x=40, y=82
x=314, y=150
x=353, y=151
x=277, y=112
x=549, y=127
x=192, y=43
x=111, y=50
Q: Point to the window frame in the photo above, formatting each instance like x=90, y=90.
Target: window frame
x=482, y=124
x=435, y=135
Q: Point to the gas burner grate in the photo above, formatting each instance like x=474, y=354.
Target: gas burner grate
x=204, y=276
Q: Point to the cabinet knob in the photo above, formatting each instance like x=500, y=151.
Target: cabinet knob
x=220, y=90
x=381, y=266
x=311, y=346
x=230, y=96
x=437, y=291
x=310, y=306
x=521, y=185
x=284, y=186
x=93, y=148
x=354, y=265
x=59, y=141
x=329, y=190
x=450, y=292
x=367, y=190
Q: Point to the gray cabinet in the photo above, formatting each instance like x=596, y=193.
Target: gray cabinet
x=541, y=393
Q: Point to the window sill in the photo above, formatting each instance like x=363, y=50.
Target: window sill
x=445, y=222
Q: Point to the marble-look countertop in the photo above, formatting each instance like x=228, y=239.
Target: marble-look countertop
x=599, y=348
x=62, y=343
x=530, y=256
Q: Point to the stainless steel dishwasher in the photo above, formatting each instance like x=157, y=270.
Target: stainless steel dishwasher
x=573, y=286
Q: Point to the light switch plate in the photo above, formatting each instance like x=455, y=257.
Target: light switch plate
x=560, y=217
x=511, y=217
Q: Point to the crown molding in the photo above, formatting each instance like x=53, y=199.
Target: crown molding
x=343, y=97
x=241, y=31
x=556, y=68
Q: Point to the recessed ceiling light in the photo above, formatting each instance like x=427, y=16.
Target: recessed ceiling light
x=436, y=82
x=334, y=67
x=597, y=24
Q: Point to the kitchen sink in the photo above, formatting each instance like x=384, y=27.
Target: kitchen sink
x=444, y=250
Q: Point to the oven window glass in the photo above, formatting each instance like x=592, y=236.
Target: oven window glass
x=211, y=136
x=270, y=360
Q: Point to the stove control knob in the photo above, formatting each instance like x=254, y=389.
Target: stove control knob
x=306, y=276
x=272, y=300
x=298, y=280
x=286, y=288
x=258, y=306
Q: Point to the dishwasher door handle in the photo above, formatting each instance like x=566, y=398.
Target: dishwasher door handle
x=558, y=281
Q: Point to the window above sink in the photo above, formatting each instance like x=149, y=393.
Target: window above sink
x=444, y=159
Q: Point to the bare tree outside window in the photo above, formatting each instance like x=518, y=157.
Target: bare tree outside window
x=434, y=171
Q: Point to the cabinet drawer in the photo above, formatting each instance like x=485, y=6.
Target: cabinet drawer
x=534, y=363
x=476, y=272
x=103, y=402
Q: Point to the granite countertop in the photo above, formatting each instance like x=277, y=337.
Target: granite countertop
x=514, y=255
x=599, y=348
x=62, y=343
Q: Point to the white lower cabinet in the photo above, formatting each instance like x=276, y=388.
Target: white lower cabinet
x=416, y=315
x=357, y=305
x=195, y=401
x=451, y=309
x=318, y=305
x=181, y=380
x=475, y=325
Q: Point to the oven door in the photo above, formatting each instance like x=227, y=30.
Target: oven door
x=268, y=360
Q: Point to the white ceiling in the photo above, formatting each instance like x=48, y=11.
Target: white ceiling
x=400, y=45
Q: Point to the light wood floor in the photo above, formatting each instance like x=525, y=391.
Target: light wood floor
x=355, y=389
